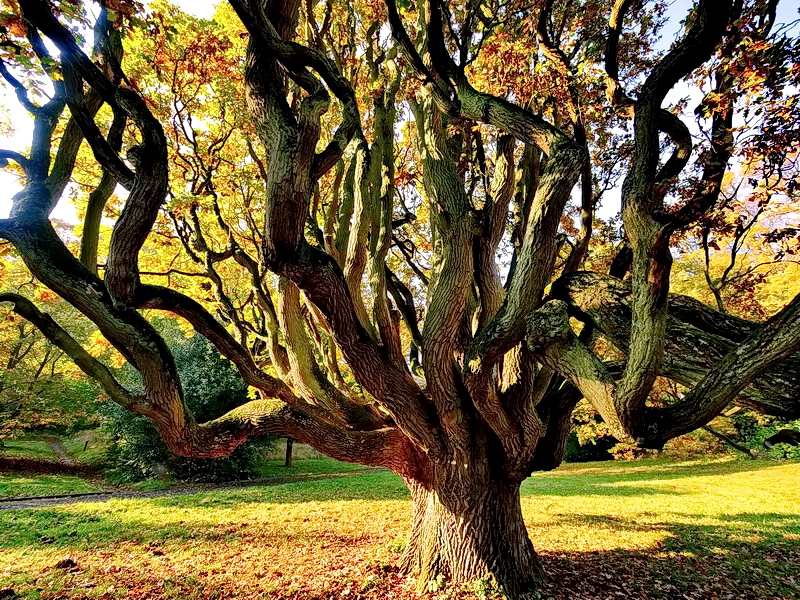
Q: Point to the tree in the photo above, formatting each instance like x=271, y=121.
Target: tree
x=41, y=389
x=304, y=201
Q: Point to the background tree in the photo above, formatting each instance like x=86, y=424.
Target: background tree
x=343, y=249
x=42, y=392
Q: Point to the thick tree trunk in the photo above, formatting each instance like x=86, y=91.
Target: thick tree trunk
x=468, y=530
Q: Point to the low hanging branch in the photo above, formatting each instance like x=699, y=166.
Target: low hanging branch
x=696, y=339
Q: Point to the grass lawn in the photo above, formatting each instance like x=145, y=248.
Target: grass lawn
x=276, y=468
x=726, y=530
x=32, y=449
x=24, y=484
x=16, y=484
x=87, y=446
x=309, y=466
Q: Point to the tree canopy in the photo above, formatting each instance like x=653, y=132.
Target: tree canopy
x=383, y=215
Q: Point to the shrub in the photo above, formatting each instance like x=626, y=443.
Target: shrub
x=770, y=429
x=698, y=444
x=624, y=451
x=592, y=449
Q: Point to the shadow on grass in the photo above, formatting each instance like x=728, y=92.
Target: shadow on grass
x=382, y=485
x=31, y=466
x=84, y=531
x=754, y=556
x=88, y=525
x=744, y=556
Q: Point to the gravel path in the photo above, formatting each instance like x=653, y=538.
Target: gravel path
x=181, y=490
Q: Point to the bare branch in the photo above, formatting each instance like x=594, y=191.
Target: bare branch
x=21, y=160
x=19, y=90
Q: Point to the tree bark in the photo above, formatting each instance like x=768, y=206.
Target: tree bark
x=468, y=528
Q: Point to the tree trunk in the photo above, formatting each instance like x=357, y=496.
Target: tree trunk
x=470, y=530
x=289, y=444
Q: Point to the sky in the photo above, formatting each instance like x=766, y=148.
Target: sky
x=205, y=8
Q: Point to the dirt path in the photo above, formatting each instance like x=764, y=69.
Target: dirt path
x=183, y=489
x=63, y=455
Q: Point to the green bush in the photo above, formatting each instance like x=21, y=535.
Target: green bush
x=754, y=428
x=770, y=429
x=211, y=388
x=589, y=439
x=590, y=450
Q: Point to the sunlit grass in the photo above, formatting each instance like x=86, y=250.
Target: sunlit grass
x=308, y=466
x=77, y=446
x=640, y=505
x=667, y=523
x=88, y=447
